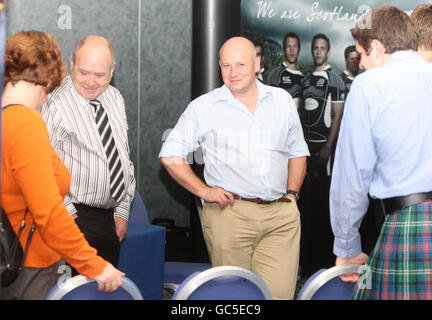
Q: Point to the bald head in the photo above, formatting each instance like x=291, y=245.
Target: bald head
x=238, y=44
x=95, y=43
x=92, y=66
x=239, y=64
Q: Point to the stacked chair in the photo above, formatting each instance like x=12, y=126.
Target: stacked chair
x=223, y=283
x=325, y=284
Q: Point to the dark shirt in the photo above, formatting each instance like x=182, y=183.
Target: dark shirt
x=320, y=90
x=290, y=80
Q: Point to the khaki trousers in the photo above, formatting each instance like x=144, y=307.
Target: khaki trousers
x=264, y=238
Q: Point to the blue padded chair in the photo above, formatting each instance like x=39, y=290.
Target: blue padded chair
x=138, y=211
x=81, y=288
x=325, y=284
x=223, y=283
x=142, y=252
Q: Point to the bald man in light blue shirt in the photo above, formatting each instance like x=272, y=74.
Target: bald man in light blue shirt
x=255, y=161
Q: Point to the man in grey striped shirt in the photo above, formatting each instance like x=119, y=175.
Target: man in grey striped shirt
x=87, y=123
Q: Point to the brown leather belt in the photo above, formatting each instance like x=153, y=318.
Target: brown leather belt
x=393, y=204
x=261, y=201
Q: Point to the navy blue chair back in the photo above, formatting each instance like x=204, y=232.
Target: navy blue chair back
x=142, y=251
x=138, y=212
x=325, y=284
x=223, y=283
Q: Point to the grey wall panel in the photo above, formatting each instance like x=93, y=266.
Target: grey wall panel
x=165, y=92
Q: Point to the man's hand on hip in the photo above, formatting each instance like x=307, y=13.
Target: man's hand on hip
x=219, y=195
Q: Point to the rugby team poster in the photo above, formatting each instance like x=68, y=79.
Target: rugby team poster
x=269, y=21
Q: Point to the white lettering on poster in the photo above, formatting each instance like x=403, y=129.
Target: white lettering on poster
x=337, y=14
x=265, y=9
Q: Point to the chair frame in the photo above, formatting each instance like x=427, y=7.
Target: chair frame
x=80, y=280
x=326, y=276
x=216, y=272
x=171, y=287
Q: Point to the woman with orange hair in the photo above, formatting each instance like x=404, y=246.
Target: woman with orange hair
x=34, y=179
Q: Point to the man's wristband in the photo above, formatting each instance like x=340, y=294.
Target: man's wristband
x=295, y=193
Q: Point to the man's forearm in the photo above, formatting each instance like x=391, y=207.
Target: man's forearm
x=182, y=172
x=296, y=173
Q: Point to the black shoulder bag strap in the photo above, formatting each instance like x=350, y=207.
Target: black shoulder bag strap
x=18, y=236
x=22, y=225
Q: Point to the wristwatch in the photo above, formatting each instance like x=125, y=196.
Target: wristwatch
x=295, y=193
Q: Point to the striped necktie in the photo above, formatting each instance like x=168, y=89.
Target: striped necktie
x=114, y=163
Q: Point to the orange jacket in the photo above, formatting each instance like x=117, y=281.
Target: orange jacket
x=33, y=176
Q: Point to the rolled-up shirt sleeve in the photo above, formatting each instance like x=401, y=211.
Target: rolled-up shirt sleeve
x=352, y=173
x=183, y=138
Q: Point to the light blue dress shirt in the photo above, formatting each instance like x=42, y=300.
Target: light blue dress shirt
x=244, y=153
x=385, y=143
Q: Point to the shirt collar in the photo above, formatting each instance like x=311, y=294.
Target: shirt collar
x=348, y=75
x=327, y=68
x=402, y=55
x=225, y=94
x=323, y=72
x=263, y=90
x=292, y=70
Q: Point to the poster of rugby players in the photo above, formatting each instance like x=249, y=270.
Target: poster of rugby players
x=269, y=21
x=306, y=48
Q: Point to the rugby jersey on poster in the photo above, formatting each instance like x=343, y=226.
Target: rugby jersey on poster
x=75, y=137
x=320, y=90
x=348, y=81
x=288, y=79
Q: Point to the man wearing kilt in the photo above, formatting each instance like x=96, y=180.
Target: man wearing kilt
x=385, y=150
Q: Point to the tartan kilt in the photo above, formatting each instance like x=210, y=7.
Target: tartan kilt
x=400, y=265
